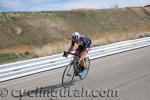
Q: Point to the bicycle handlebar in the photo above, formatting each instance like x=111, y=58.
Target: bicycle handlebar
x=70, y=53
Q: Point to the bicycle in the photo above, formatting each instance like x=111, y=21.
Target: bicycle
x=71, y=70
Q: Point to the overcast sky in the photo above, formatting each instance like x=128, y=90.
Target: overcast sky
x=46, y=5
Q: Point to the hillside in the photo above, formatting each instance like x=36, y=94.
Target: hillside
x=23, y=31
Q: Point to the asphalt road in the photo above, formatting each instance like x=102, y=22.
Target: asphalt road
x=124, y=76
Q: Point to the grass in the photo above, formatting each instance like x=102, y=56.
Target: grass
x=59, y=47
x=12, y=58
x=47, y=33
x=7, y=57
x=97, y=40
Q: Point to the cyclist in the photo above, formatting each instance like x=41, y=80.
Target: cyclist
x=84, y=44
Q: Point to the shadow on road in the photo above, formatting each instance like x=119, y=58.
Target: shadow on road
x=47, y=89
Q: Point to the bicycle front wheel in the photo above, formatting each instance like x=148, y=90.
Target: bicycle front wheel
x=68, y=76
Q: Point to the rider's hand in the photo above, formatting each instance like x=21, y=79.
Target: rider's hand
x=65, y=54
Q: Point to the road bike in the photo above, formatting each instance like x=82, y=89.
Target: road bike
x=72, y=70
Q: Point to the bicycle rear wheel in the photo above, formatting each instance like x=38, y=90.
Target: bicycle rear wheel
x=68, y=76
x=87, y=66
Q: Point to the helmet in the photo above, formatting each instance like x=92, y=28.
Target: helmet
x=75, y=36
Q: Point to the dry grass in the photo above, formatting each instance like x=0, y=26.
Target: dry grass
x=18, y=49
x=102, y=26
x=101, y=38
x=97, y=40
x=116, y=37
x=50, y=48
x=58, y=47
x=109, y=37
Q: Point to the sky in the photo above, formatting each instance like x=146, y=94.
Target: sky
x=51, y=5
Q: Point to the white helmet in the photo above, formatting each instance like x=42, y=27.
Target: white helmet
x=75, y=36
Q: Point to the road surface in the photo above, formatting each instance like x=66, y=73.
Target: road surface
x=126, y=75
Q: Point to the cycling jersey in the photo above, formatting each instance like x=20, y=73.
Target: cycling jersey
x=85, y=42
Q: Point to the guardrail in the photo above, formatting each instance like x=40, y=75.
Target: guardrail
x=33, y=66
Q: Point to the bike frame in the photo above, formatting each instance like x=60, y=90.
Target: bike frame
x=73, y=64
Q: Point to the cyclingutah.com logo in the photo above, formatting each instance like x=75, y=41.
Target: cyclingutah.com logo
x=3, y=92
x=53, y=94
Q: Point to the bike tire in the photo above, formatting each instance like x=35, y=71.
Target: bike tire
x=64, y=83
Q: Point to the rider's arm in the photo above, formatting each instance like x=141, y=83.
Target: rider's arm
x=70, y=49
x=71, y=46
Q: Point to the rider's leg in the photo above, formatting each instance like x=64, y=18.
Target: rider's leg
x=82, y=53
x=82, y=65
x=82, y=56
